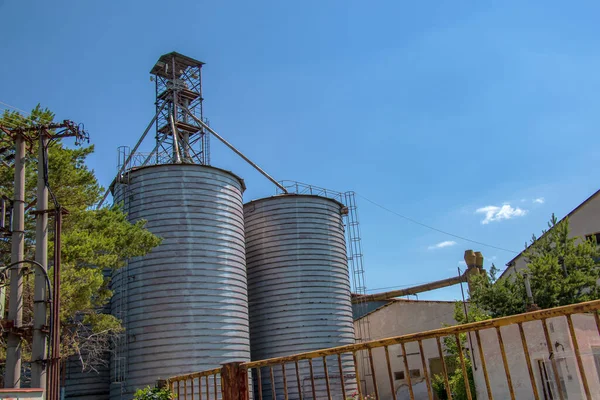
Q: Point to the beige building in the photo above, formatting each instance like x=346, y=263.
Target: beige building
x=563, y=353
x=584, y=221
x=400, y=317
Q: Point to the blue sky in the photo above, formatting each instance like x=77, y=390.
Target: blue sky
x=434, y=110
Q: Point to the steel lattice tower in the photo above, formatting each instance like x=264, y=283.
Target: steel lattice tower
x=179, y=138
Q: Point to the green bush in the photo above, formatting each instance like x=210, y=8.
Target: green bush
x=457, y=385
x=155, y=393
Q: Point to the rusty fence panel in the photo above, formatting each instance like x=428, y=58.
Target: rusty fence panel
x=548, y=354
x=204, y=385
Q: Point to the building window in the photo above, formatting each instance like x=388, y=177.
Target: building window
x=595, y=236
x=436, y=368
x=548, y=382
x=596, y=353
x=414, y=373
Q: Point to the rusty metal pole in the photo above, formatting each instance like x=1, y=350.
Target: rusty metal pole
x=4, y=207
x=12, y=377
x=474, y=262
x=234, y=381
x=53, y=392
x=38, y=351
x=162, y=384
x=411, y=290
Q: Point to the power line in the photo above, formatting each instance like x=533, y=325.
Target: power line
x=435, y=229
x=15, y=108
x=12, y=121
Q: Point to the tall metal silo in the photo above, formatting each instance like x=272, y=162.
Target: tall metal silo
x=298, y=286
x=184, y=305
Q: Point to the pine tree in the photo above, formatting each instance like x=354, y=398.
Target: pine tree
x=562, y=270
x=93, y=242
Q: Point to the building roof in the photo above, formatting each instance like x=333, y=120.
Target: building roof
x=573, y=211
x=181, y=61
x=394, y=301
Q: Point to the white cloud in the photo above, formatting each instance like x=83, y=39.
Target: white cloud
x=496, y=213
x=443, y=244
x=462, y=263
x=539, y=200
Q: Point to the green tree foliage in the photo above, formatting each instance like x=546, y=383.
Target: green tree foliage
x=562, y=270
x=456, y=380
x=155, y=393
x=93, y=241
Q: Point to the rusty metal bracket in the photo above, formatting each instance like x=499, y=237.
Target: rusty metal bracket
x=50, y=211
x=9, y=326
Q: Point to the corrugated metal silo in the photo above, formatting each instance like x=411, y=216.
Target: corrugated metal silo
x=86, y=385
x=93, y=382
x=298, y=285
x=184, y=305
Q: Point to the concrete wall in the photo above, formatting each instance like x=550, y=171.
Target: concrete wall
x=588, y=340
x=403, y=317
x=399, y=318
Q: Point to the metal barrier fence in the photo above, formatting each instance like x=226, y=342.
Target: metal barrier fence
x=495, y=371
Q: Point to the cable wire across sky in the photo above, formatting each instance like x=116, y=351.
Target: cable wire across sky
x=435, y=229
x=7, y=106
x=11, y=121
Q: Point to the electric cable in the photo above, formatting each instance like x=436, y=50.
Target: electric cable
x=48, y=294
x=18, y=109
x=46, y=178
x=45, y=170
x=436, y=229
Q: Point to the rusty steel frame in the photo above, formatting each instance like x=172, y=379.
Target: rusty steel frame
x=49, y=357
x=229, y=380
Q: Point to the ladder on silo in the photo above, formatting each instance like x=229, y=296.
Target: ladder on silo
x=206, y=144
x=357, y=273
x=120, y=364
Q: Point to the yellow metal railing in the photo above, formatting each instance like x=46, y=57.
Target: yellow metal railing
x=333, y=373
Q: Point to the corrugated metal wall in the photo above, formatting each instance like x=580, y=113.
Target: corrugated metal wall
x=185, y=304
x=298, y=284
x=88, y=385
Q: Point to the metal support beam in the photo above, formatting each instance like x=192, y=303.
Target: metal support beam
x=412, y=290
x=12, y=377
x=236, y=151
x=131, y=154
x=175, y=140
x=53, y=392
x=4, y=225
x=38, y=351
